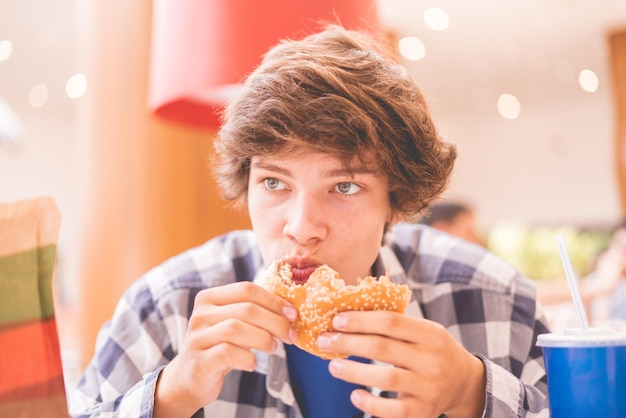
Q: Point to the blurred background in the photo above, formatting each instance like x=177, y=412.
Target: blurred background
x=101, y=107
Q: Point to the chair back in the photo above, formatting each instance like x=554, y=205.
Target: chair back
x=31, y=372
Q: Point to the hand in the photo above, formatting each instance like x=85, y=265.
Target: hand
x=226, y=324
x=609, y=269
x=433, y=373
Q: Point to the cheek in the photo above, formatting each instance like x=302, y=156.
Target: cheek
x=359, y=229
x=268, y=233
x=257, y=207
x=266, y=217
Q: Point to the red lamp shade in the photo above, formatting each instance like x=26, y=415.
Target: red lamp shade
x=202, y=49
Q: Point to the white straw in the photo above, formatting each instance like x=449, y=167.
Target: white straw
x=573, y=283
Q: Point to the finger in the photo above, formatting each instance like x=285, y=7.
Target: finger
x=383, y=377
x=247, y=292
x=235, y=332
x=246, y=312
x=392, y=324
x=375, y=347
x=391, y=408
x=228, y=357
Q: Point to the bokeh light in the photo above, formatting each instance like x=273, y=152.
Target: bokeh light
x=436, y=19
x=588, y=81
x=412, y=48
x=509, y=106
x=38, y=95
x=6, y=49
x=76, y=86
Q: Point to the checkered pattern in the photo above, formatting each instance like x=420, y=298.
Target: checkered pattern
x=482, y=301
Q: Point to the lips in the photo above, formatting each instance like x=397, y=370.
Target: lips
x=301, y=274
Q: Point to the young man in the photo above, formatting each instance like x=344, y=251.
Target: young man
x=329, y=145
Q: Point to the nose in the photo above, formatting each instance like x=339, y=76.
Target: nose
x=306, y=220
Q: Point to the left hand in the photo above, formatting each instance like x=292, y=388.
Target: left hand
x=433, y=373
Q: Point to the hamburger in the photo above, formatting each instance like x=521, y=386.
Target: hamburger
x=325, y=294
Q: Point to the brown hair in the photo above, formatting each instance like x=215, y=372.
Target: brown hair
x=335, y=92
x=444, y=211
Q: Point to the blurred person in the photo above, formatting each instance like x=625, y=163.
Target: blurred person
x=330, y=146
x=605, y=282
x=455, y=218
x=617, y=267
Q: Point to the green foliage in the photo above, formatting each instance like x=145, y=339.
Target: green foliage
x=535, y=253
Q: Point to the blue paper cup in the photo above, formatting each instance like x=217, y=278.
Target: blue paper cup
x=586, y=372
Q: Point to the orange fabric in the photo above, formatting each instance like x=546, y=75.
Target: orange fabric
x=30, y=356
x=52, y=407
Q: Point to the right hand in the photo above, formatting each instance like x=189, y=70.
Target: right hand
x=226, y=324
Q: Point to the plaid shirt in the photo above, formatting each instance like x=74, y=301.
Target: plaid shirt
x=482, y=301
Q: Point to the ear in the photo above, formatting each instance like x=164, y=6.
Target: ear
x=393, y=219
x=441, y=225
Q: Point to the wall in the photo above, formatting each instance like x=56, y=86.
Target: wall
x=554, y=165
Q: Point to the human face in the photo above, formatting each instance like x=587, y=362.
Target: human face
x=306, y=208
x=463, y=226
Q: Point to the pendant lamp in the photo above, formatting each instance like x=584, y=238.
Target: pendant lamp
x=203, y=49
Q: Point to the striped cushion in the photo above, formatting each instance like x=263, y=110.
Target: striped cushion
x=31, y=377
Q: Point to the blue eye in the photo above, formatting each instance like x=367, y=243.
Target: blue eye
x=273, y=184
x=347, y=188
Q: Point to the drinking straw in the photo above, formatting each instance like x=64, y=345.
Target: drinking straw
x=573, y=283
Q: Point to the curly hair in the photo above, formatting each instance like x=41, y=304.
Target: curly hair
x=337, y=92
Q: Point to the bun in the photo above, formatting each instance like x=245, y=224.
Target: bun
x=325, y=294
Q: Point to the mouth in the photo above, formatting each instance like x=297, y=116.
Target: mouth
x=301, y=269
x=300, y=275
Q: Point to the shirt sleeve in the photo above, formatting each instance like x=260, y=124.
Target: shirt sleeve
x=138, y=401
x=149, y=326
x=131, y=350
x=524, y=396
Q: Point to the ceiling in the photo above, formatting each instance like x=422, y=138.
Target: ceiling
x=533, y=49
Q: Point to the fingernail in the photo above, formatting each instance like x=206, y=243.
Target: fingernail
x=274, y=346
x=334, y=367
x=323, y=341
x=356, y=398
x=340, y=321
x=293, y=335
x=290, y=313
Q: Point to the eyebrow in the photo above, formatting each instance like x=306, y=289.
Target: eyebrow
x=336, y=172
x=271, y=167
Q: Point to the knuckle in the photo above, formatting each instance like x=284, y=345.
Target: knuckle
x=440, y=335
x=377, y=346
x=229, y=355
x=221, y=352
x=389, y=380
x=193, y=323
x=403, y=410
x=202, y=297
x=246, y=287
x=232, y=326
x=389, y=320
x=249, y=309
x=268, y=343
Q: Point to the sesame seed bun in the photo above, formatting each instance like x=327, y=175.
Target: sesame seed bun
x=325, y=294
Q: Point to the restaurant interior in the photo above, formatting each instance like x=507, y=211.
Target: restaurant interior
x=110, y=108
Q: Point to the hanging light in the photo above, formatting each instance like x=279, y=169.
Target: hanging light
x=202, y=49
